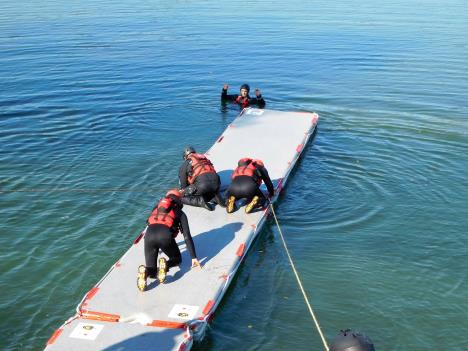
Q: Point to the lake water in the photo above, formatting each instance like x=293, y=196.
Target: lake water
x=97, y=100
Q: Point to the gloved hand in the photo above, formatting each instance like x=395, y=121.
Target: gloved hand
x=196, y=263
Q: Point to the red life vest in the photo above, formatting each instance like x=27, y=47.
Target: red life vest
x=164, y=214
x=244, y=102
x=200, y=165
x=249, y=169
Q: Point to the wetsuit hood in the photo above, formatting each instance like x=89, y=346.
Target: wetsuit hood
x=175, y=193
x=187, y=151
x=246, y=87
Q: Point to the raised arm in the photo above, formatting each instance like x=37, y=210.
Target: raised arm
x=227, y=97
x=258, y=99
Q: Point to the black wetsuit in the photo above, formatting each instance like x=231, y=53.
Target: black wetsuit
x=244, y=186
x=159, y=236
x=243, y=102
x=205, y=188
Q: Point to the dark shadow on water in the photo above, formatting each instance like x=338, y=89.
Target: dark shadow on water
x=224, y=110
x=228, y=114
x=227, y=106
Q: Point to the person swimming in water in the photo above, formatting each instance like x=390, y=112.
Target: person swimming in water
x=243, y=99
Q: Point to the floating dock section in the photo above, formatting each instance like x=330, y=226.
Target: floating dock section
x=115, y=315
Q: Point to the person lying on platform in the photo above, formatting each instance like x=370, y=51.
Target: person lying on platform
x=243, y=99
x=164, y=223
x=246, y=181
x=199, y=181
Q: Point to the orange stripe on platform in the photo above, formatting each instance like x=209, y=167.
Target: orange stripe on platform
x=54, y=336
x=99, y=316
x=91, y=293
x=167, y=324
x=208, y=306
x=138, y=238
x=240, y=250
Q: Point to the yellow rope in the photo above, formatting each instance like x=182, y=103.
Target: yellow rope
x=299, y=280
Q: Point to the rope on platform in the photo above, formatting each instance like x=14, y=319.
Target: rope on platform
x=317, y=325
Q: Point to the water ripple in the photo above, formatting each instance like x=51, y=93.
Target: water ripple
x=98, y=98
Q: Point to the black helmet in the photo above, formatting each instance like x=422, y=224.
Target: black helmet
x=246, y=87
x=244, y=161
x=349, y=340
x=188, y=150
x=175, y=193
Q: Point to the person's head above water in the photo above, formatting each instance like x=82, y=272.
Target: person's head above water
x=244, y=90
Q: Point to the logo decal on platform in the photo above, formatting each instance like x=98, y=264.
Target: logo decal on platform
x=183, y=312
x=86, y=331
x=255, y=112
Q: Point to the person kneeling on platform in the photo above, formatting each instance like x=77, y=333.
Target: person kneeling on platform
x=198, y=180
x=164, y=223
x=246, y=181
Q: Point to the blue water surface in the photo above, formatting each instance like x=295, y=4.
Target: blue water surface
x=97, y=100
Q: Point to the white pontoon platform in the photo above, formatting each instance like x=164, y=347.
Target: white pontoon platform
x=168, y=316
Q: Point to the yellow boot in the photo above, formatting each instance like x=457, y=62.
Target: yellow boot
x=162, y=270
x=141, y=280
x=252, y=204
x=230, y=204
